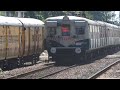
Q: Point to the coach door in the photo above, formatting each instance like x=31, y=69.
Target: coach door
x=31, y=43
x=105, y=29
x=2, y=42
x=38, y=39
x=22, y=41
x=26, y=42
x=35, y=39
x=65, y=28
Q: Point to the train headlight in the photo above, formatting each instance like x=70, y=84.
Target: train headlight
x=78, y=50
x=53, y=50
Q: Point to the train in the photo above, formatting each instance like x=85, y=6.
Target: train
x=80, y=37
x=24, y=39
x=21, y=39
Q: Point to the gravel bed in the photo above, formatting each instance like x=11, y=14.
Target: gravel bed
x=42, y=73
x=18, y=71
x=41, y=64
x=112, y=73
x=86, y=70
x=81, y=71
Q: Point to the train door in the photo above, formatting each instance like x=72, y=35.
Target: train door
x=22, y=41
x=43, y=38
x=29, y=41
x=35, y=35
x=40, y=39
x=32, y=40
x=65, y=29
x=26, y=43
x=2, y=42
x=66, y=32
x=37, y=40
x=106, y=36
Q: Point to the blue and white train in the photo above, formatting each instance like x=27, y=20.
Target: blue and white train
x=78, y=36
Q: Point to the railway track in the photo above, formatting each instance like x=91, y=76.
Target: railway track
x=30, y=72
x=42, y=73
x=97, y=74
x=51, y=70
x=42, y=77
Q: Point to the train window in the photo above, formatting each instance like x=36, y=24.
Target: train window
x=90, y=28
x=100, y=32
x=95, y=28
x=52, y=31
x=65, y=30
x=80, y=30
x=91, y=31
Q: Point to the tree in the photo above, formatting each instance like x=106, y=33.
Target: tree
x=1, y=13
x=30, y=14
x=102, y=15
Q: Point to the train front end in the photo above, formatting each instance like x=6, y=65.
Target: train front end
x=66, y=36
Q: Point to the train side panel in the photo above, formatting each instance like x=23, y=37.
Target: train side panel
x=12, y=42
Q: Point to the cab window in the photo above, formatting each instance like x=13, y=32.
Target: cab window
x=80, y=30
x=52, y=31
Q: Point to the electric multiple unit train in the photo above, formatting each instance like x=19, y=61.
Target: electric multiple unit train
x=23, y=39
x=77, y=37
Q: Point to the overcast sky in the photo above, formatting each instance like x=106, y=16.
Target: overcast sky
x=117, y=15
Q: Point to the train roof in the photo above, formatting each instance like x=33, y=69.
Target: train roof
x=31, y=22
x=81, y=18
x=108, y=24
x=15, y=21
x=72, y=18
x=9, y=21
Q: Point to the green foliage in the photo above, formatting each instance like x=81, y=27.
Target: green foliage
x=1, y=13
x=102, y=15
x=94, y=15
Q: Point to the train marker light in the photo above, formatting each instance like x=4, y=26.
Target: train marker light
x=53, y=50
x=78, y=50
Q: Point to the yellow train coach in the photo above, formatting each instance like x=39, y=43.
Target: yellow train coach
x=21, y=39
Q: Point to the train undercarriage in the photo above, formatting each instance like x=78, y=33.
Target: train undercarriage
x=9, y=64
x=67, y=58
